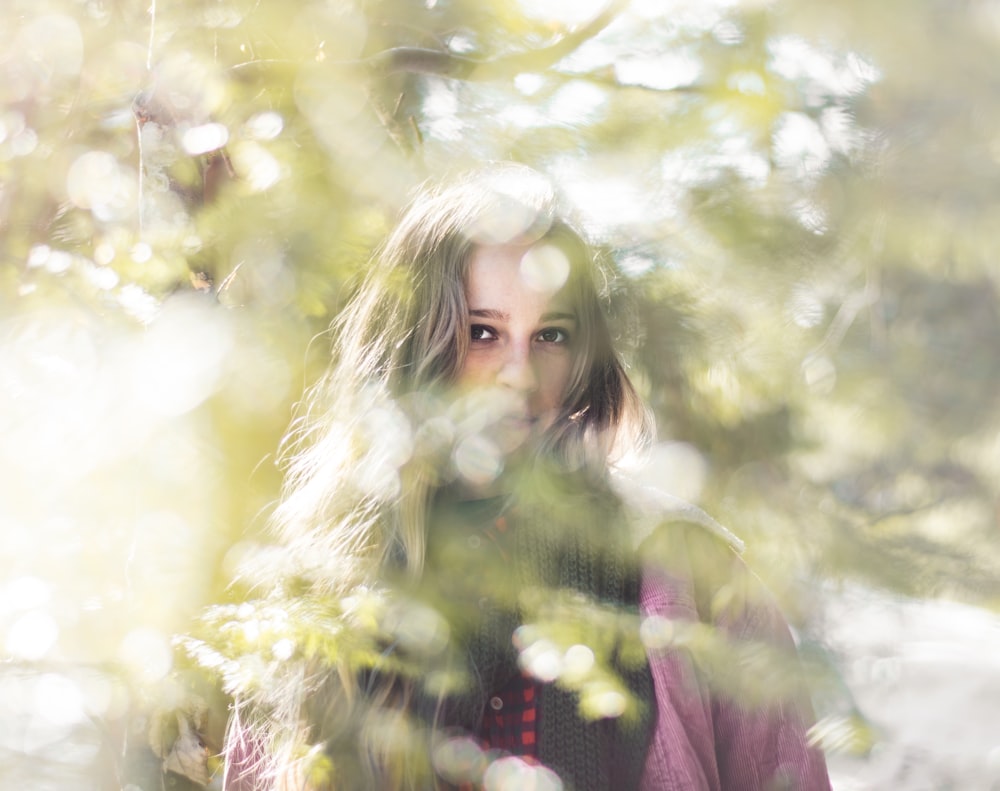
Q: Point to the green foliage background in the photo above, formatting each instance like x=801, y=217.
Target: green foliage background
x=802, y=197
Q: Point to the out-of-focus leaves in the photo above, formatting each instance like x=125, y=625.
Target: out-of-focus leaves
x=802, y=198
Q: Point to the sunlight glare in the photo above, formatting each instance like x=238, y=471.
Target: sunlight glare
x=54, y=43
x=96, y=181
x=183, y=358
x=32, y=636
x=59, y=699
x=567, y=12
x=147, y=653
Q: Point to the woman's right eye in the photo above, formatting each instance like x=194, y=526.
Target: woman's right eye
x=480, y=332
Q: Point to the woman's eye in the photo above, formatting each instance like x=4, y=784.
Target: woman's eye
x=553, y=335
x=480, y=332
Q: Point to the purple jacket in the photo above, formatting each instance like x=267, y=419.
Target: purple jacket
x=704, y=741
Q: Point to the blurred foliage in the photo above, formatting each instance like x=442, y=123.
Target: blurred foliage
x=802, y=197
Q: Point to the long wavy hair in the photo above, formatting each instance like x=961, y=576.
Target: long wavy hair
x=364, y=456
x=357, y=477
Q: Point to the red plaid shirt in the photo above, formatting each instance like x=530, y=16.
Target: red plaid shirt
x=510, y=723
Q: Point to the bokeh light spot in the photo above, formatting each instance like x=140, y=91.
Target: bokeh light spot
x=567, y=12
x=24, y=593
x=680, y=464
x=32, y=636
x=542, y=660
x=417, y=628
x=515, y=774
x=544, y=268
x=205, y=138
x=59, y=699
x=141, y=252
x=256, y=165
x=97, y=182
x=104, y=253
x=283, y=649
x=820, y=374
x=603, y=701
x=54, y=43
x=459, y=760
x=577, y=662
x=146, y=653
x=264, y=126
x=477, y=459
x=510, y=219
x=656, y=632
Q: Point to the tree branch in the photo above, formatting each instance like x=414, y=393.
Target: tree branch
x=416, y=60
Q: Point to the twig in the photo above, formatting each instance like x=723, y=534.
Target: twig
x=152, y=34
x=417, y=60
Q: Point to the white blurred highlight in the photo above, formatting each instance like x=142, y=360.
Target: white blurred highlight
x=205, y=138
x=387, y=437
x=578, y=662
x=459, y=760
x=567, y=12
x=256, y=165
x=183, y=358
x=147, y=654
x=510, y=219
x=54, y=43
x=478, y=460
x=24, y=593
x=59, y=699
x=675, y=467
x=545, y=268
x=283, y=649
x=605, y=702
x=31, y=636
x=264, y=126
x=418, y=629
x=542, y=660
x=656, y=632
x=515, y=774
x=820, y=374
x=97, y=181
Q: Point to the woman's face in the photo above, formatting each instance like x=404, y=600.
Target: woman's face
x=522, y=333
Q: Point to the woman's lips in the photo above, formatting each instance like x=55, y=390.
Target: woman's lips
x=512, y=431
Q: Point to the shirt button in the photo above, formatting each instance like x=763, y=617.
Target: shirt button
x=495, y=703
x=474, y=542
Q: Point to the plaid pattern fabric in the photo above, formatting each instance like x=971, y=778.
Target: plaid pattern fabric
x=510, y=723
x=511, y=717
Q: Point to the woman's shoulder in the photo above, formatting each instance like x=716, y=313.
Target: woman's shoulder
x=649, y=508
x=689, y=554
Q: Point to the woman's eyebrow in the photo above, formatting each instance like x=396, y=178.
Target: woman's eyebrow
x=499, y=315
x=490, y=313
x=558, y=316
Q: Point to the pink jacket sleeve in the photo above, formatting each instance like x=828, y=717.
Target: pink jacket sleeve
x=707, y=740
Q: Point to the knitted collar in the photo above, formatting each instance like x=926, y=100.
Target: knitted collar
x=560, y=538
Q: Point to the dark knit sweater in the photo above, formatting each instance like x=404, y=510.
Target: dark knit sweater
x=562, y=555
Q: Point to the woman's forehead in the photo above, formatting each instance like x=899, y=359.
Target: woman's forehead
x=501, y=276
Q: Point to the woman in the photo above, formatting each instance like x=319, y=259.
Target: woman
x=450, y=500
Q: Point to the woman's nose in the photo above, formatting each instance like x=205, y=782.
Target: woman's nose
x=518, y=372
